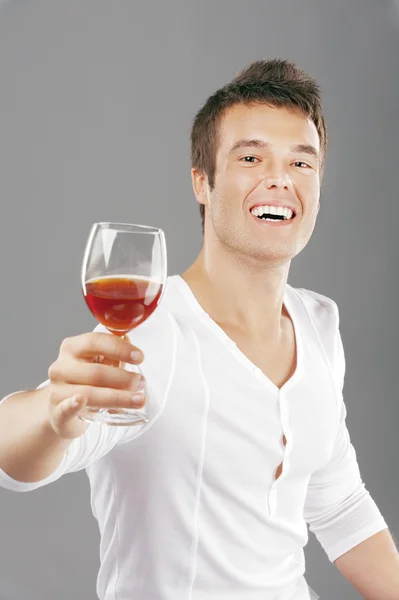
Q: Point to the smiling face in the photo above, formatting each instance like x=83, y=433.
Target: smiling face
x=266, y=156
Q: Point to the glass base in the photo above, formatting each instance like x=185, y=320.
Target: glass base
x=114, y=416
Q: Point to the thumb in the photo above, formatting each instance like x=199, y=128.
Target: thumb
x=69, y=408
x=64, y=420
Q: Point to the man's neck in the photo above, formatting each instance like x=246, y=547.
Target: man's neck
x=247, y=298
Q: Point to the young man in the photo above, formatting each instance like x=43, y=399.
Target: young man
x=246, y=440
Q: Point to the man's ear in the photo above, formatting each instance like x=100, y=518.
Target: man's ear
x=200, y=186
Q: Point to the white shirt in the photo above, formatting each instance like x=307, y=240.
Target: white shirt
x=187, y=505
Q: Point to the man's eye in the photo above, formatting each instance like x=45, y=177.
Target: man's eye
x=249, y=159
x=300, y=162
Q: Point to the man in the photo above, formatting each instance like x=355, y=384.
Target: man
x=246, y=440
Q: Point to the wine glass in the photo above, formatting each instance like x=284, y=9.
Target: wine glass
x=123, y=278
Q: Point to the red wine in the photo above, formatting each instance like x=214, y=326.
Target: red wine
x=122, y=303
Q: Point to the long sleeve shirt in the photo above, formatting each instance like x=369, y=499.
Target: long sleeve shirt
x=187, y=505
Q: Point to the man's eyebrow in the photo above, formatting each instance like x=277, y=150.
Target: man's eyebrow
x=305, y=149
x=254, y=143
x=248, y=144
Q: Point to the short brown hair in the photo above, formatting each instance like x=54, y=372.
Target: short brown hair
x=275, y=82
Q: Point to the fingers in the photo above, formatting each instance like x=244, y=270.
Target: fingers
x=100, y=397
x=93, y=344
x=75, y=372
x=89, y=372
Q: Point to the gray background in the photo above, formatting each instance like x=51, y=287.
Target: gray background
x=96, y=102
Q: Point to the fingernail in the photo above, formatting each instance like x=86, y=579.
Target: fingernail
x=141, y=384
x=137, y=398
x=136, y=356
x=75, y=401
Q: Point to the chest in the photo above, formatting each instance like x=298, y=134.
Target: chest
x=209, y=401
x=220, y=426
x=277, y=361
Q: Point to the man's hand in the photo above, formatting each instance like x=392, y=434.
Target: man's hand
x=87, y=373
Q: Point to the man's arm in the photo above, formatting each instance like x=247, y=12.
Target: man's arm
x=30, y=450
x=349, y=526
x=38, y=427
x=372, y=567
x=339, y=510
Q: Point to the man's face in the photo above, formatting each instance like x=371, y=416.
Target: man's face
x=266, y=156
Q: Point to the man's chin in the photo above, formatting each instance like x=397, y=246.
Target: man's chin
x=273, y=257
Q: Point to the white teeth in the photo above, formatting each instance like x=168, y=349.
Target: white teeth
x=258, y=211
x=288, y=213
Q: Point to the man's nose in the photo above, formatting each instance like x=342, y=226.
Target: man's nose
x=279, y=183
x=277, y=177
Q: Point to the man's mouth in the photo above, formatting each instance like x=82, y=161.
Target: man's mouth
x=273, y=213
